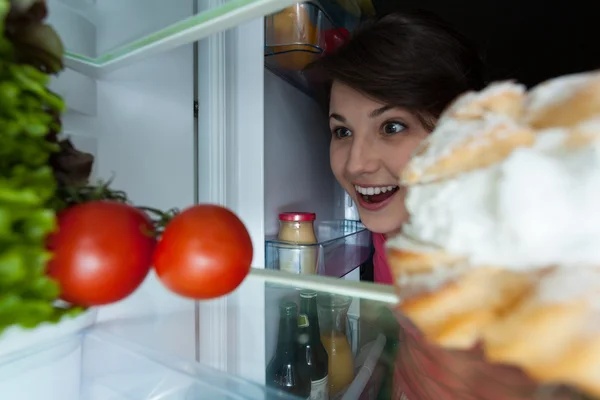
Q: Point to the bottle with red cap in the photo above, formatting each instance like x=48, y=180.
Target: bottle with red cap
x=297, y=229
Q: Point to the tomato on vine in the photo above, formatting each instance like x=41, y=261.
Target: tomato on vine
x=102, y=252
x=204, y=252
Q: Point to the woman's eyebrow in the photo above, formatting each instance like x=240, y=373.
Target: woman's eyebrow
x=337, y=116
x=378, y=111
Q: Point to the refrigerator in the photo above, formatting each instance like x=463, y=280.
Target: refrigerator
x=176, y=103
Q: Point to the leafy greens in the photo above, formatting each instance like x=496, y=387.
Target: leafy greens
x=29, y=114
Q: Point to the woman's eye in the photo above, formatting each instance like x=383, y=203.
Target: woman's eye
x=391, y=128
x=341, y=133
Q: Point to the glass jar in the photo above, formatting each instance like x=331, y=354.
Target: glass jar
x=297, y=227
x=333, y=316
x=300, y=256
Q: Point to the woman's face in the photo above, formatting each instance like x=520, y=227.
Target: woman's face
x=370, y=145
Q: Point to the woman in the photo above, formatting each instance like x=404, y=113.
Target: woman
x=389, y=84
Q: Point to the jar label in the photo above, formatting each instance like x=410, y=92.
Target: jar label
x=319, y=390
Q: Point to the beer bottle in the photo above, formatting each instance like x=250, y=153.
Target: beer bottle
x=287, y=371
x=313, y=351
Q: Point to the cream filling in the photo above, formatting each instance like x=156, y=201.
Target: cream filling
x=539, y=207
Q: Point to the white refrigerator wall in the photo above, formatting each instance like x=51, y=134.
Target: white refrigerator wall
x=297, y=173
x=138, y=122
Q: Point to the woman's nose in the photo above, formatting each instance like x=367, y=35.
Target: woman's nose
x=362, y=158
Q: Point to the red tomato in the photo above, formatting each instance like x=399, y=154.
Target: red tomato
x=102, y=252
x=204, y=252
x=334, y=38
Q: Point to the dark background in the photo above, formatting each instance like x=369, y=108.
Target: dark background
x=527, y=40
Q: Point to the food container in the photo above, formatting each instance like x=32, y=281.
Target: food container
x=298, y=35
x=297, y=253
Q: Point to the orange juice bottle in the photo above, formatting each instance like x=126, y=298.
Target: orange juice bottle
x=333, y=314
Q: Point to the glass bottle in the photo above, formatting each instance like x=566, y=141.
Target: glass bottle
x=333, y=314
x=287, y=371
x=312, y=350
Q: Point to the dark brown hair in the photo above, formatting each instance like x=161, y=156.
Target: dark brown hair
x=413, y=60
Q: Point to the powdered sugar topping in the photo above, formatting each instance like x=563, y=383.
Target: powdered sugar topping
x=536, y=208
x=454, y=134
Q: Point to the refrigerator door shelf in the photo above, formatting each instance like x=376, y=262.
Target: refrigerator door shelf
x=100, y=37
x=343, y=246
x=301, y=34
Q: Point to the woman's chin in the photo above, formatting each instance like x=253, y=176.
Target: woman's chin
x=384, y=223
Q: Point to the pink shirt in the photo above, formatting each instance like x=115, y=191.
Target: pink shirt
x=381, y=270
x=423, y=371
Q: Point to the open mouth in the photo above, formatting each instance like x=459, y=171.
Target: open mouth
x=376, y=194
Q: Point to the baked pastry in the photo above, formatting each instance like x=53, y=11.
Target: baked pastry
x=554, y=333
x=477, y=130
x=504, y=205
x=563, y=102
x=457, y=313
x=500, y=98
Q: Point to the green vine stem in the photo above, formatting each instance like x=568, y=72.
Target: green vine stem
x=70, y=196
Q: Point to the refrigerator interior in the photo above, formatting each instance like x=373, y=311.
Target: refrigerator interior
x=136, y=121
x=517, y=42
x=259, y=145
x=297, y=178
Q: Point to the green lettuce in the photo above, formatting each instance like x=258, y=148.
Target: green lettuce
x=29, y=115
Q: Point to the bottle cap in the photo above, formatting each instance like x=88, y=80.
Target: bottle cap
x=308, y=294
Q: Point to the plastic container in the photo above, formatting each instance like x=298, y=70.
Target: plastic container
x=345, y=13
x=297, y=36
x=342, y=246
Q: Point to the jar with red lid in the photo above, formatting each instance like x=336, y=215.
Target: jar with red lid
x=297, y=229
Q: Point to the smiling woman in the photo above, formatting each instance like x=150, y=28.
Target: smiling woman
x=387, y=87
x=370, y=144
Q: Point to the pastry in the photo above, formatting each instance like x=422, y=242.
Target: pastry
x=458, y=146
x=503, y=244
x=477, y=130
x=456, y=314
x=500, y=98
x=554, y=334
x=563, y=102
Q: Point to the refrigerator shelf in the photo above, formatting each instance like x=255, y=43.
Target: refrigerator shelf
x=96, y=365
x=99, y=36
x=16, y=339
x=343, y=246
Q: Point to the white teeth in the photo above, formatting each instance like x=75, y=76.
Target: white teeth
x=374, y=190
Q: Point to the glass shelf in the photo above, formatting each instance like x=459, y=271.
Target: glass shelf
x=343, y=246
x=101, y=36
x=133, y=358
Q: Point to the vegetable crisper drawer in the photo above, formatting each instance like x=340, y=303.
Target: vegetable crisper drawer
x=95, y=365
x=343, y=246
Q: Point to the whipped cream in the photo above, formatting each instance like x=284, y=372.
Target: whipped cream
x=539, y=207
